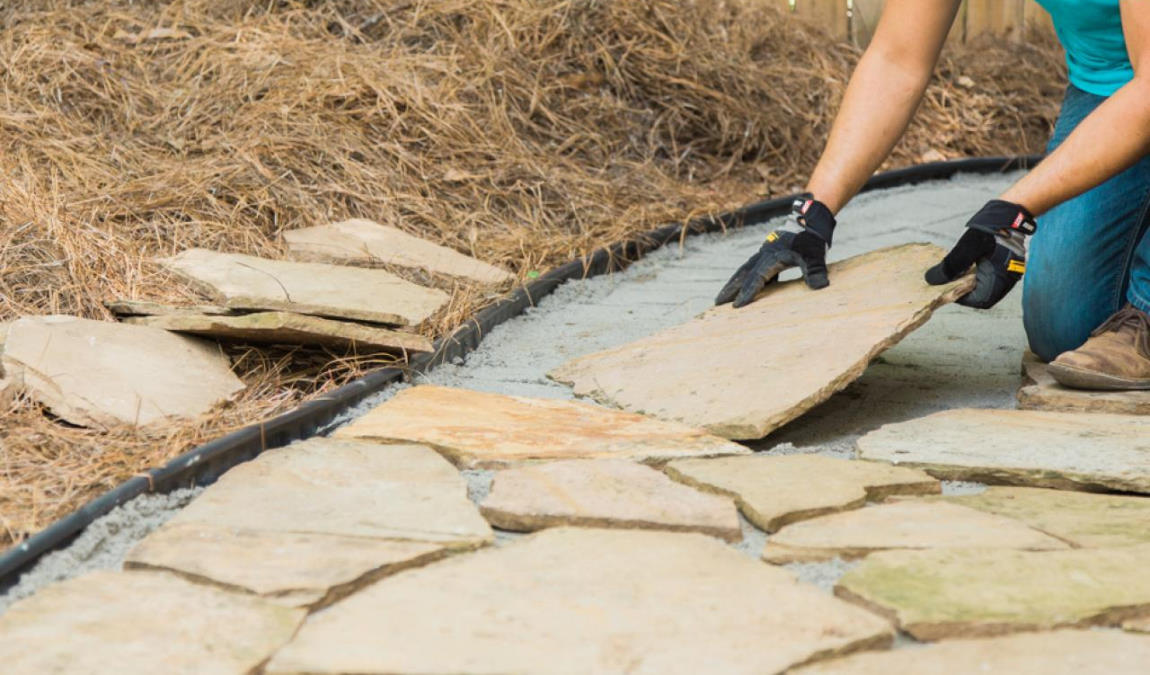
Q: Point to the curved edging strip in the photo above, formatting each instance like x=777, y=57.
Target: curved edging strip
x=204, y=464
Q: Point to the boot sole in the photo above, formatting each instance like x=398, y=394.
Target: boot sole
x=1077, y=378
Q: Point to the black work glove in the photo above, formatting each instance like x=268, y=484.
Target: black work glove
x=802, y=241
x=995, y=241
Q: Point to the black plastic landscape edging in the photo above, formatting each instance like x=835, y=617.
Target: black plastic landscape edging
x=205, y=463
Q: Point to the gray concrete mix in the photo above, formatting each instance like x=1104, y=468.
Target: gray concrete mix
x=960, y=358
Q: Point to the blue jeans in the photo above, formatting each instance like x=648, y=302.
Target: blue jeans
x=1091, y=254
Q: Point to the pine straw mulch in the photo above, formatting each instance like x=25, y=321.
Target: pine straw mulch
x=524, y=132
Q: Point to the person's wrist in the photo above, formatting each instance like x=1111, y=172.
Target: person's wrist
x=815, y=217
x=1000, y=217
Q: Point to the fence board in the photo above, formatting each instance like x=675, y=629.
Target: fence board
x=830, y=15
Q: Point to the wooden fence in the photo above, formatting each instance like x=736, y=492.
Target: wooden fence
x=856, y=19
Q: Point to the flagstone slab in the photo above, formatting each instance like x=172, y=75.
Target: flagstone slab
x=1084, y=519
x=901, y=525
x=1137, y=625
x=101, y=373
x=293, y=569
x=288, y=328
x=742, y=373
x=1040, y=391
x=360, y=241
x=1062, y=652
x=312, y=521
x=773, y=491
x=947, y=593
x=140, y=622
x=335, y=291
x=482, y=430
x=604, y=493
x=576, y=600
x=149, y=308
x=1067, y=451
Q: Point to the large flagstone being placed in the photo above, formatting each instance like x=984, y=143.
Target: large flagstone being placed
x=140, y=622
x=476, y=429
x=317, y=519
x=605, y=493
x=1084, y=519
x=100, y=373
x=288, y=328
x=1070, y=451
x=247, y=282
x=1039, y=391
x=359, y=241
x=573, y=600
x=948, y=593
x=1062, y=652
x=773, y=491
x=901, y=525
x=742, y=373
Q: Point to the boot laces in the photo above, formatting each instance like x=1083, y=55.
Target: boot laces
x=1136, y=319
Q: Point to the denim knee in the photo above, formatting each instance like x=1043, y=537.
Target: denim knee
x=1050, y=328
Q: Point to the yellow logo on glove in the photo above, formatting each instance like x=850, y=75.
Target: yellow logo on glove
x=1017, y=266
x=772, y=237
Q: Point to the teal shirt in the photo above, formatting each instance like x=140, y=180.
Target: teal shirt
x=1091, y=34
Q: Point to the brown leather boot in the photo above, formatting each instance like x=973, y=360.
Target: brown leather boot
x=1117, y=355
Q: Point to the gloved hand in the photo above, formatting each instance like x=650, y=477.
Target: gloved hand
x=802, y=240
x=995, y=239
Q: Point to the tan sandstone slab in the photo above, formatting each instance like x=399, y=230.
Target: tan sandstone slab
x=947, y=593
x=274, y=525
x=477, y=429
x=1062, y=652
x=294, y=569
x=805, y=345
x=1039, y=391
x=604, y=493
x=1075, y=451
x=140, y=622
x=101, y=373
x=901, y=525
x=360, y=241
x=573, y=600
x=289, y=328
x=773, y=491
x=1137, y=625
x=1084, y=519
x=149, y=308
x=247, y=282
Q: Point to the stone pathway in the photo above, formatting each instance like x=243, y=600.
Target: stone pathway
x=372, y=532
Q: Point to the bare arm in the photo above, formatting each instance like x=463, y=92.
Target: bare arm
x=1111, y=138
x=882, y=96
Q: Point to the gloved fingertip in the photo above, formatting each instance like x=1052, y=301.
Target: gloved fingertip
x=937, y=275
x=817, y=281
